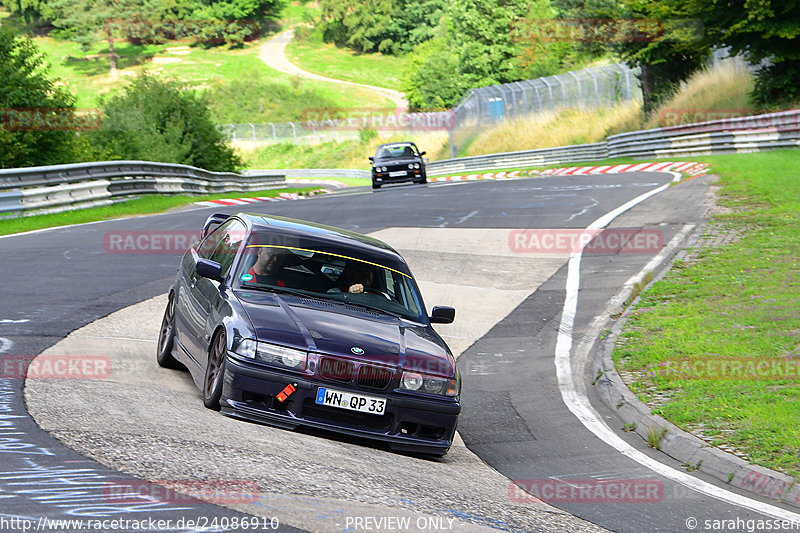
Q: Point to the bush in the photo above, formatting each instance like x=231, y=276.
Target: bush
x=158, y=120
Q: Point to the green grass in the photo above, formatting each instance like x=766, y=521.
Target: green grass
x=738, y=302
x=136, y=206
x=313, y=55
x=241, y=88
x=86, y=75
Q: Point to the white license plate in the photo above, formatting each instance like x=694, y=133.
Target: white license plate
x=398, y=173
x=350, y=401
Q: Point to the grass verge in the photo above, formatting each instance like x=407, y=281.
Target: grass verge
x=731, y=304
x=136, y=206
x=309, y=52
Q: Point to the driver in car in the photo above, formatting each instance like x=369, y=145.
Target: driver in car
x=265, y=269
x=356, y=278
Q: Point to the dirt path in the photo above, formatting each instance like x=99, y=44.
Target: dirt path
x=273, y=53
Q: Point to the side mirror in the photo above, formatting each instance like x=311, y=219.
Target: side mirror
x=210, y=269
x=371, y=158
x=422, y=153
x=442, y=315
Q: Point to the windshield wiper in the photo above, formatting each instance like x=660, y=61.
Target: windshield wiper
x=272, y=288
x=371, y=308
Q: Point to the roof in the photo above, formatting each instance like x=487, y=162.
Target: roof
x=290, y=232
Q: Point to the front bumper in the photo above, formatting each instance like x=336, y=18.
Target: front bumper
x=408, y=423
x=411, y=175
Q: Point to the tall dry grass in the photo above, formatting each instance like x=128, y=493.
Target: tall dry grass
x=430, y=142
x=560, y=128
x=718, y=91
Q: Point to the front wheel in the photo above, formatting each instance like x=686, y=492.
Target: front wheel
x=215, y=369
x=166, y=337
x=376, y=185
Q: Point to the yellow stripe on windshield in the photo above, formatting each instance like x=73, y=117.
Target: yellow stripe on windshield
x=326, y=253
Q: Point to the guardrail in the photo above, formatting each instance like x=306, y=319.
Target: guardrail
x=741, y=134
x=744, y=134
x=319, y=173
x=63, y=187
x=528, y=158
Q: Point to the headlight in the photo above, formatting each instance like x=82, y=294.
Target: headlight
x=429, y=384
x=280, y=355
x=411, y=165
x=416, y=165
x=244, y=347
x=383, y=169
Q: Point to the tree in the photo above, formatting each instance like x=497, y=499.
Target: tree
x=36, y=116
x=767, y=32
x=387, y=26
x=665, y=41
x=82, y=20
x=29, y=10
x=432, y=78
x=483, y=40
x=159, y=120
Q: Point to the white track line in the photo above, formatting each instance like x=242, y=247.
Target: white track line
x=580, y=407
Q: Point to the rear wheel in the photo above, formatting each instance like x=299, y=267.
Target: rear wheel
x=215, y=368
x=166, y=337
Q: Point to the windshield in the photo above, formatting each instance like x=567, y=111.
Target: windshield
x=329, y=276
x=396, y=150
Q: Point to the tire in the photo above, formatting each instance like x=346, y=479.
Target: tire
x=215, y=369
x=166, y=337
x=376, y=185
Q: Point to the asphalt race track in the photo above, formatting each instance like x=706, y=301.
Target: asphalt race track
x=465, y=243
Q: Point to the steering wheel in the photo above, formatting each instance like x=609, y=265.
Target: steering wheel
x=373, y=290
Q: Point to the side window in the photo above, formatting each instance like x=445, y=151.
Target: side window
x=231, y=236
x=388, y=281
x=208, y=245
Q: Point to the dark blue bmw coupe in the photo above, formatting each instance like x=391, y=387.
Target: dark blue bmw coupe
x=292, y=323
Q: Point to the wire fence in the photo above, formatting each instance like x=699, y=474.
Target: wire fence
x=481, y=108
x=593, y=87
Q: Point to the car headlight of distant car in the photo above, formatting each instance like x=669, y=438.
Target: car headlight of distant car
x=271, y=353
x=432, y=385
x=411, y=165
x=383, y=169
x=416, y=165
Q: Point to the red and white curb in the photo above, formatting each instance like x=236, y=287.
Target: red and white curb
x=471, y=177
x=282, y=197
x=692, y=169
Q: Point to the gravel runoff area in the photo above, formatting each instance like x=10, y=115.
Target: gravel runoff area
x=150, y=422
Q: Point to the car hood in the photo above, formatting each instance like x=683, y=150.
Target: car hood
x=337, y=329
x=397, y=161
